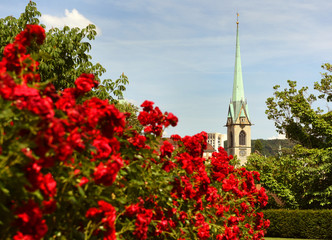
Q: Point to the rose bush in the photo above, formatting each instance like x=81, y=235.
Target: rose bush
x=72, y=168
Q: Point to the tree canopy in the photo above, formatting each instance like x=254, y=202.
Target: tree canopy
x=294, y=114
x=64, y=56
x=300, y=177
x=271, y=147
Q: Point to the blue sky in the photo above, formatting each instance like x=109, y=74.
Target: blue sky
x=181, y=53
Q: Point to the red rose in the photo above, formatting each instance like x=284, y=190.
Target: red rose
x=83, y=181
x=147, y=105
x=85, y=82
x=204, y=231
x=48, y=185
x=49, y=206
x=93, y=212
x=103, y=148
x=171, y=120
x=166, y=149
x=7, y=86
x=106, y=174
x=31, y=32
x=38, y=32
x=30, y=222
x=132, y=209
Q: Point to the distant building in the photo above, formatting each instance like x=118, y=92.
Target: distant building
x=216, y=140
x=238, y=121
x=208, y=151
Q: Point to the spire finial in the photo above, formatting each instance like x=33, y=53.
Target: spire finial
x=237, y=18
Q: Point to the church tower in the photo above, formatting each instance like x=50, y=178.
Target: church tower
x=238, y=121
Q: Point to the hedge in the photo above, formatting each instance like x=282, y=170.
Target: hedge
x=311, y=224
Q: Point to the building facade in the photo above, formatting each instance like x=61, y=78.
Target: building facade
x=216, y=140
x=238, y=121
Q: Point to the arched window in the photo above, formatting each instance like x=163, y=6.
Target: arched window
x=242, y=138
x=231, y=140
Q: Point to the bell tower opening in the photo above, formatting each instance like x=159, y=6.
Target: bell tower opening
x=242, y=137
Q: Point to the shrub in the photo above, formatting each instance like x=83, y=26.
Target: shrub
x=313, y=224
x=72, y=167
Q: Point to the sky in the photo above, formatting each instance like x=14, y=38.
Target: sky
x=180, y=54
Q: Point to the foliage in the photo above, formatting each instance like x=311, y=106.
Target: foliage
x=258, y=146
x=325, y=86
x=64, y=56
x=307, y=224
x=272, y=147
x=294, y=115
x=274, y=178
x=301, y=178
x=72, y=169
x=131, y=112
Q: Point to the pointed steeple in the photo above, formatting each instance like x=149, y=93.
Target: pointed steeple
x=238, y=105
x=238, y=91
x=238, y=121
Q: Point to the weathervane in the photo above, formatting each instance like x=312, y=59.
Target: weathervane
x=237, y=18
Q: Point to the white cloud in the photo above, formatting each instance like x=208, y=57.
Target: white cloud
x=71, y=19
x=280, y=136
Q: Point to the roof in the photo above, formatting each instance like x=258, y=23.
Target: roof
x=209, y=148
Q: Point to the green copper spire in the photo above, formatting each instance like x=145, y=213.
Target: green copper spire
x=238, y=91
x=238, y=106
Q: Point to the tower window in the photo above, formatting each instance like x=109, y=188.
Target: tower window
x=242, y=138
x=231, y=140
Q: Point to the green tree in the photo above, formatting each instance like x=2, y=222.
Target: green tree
x=271, y=147
x=132, y=112
x=275, y=177
x=258, y=147
x=294, y=114
x=64, y=55
x=301, y=179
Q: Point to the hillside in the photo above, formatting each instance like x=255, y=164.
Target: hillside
x=271, y=147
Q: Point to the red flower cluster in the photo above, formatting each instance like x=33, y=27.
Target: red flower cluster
x=107, y=215
x=196, y=144
x=74, y=153
x=30, y=222
x=39, y=181
x=31, y=32
x=143, y=218
x=106, y=173
x=137, y=140
x=92, y=125
x=154, y=120
x=15, y=56
x=85, y=83
x=166, y=149
x=192, y=186
x=203, y=227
